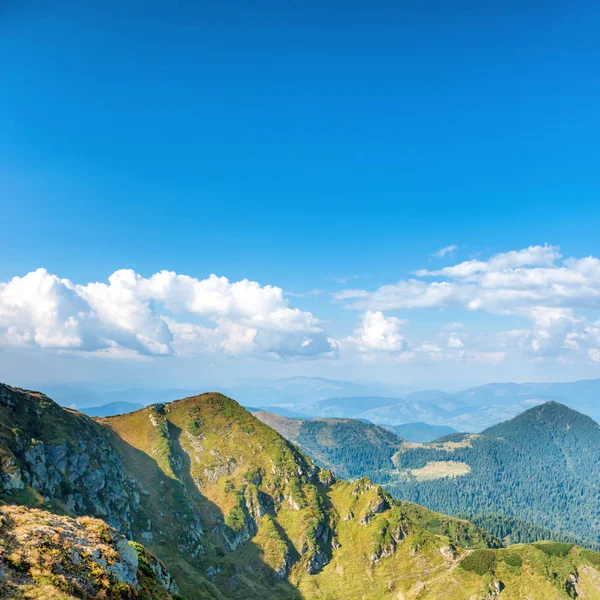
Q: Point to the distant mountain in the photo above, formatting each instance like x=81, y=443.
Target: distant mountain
x=111, y=409
x=536, y=472
x=509, y=399
x=421, y=432
x=542, y=466
x=285, y=392
x=472, y=409
x=278, y=410
x=434, y=407
x=349, y=447
x=348, y=407
x=301, y=393
x=86, y=395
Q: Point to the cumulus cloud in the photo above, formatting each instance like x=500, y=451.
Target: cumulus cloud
x=518, y=283
x=445, y=250
x=159, y=315
x=454, y=341
x=378, y=333
x=534, y=283
x=379, y=337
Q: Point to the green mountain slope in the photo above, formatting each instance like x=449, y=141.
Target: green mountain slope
x=350, y=447
x=236, y=511
x=542, y=467
x=537, y=473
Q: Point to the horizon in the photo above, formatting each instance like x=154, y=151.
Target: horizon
x=124, y=385
x=208, y=193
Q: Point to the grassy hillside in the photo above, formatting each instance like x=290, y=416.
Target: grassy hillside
x=350, y=447
x=236, y=511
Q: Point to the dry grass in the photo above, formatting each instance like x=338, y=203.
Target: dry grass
x=441, y=469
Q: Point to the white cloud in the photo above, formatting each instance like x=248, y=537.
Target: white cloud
x=594, y=354
x=430, y=348
x=445, y=250
x=379, y=333
x=144, y=315
x=455, y=342
x=517, y=283
x=534, y=256
x=534, y=283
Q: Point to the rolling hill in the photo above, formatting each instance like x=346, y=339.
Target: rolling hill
x=348, y=446
x=236, y=511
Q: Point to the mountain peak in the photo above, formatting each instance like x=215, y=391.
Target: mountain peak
x=547, y=416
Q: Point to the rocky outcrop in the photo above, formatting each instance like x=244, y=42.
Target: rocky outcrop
x=66, y=558
x=386, y=539
x=494, y=589
x=154, y=568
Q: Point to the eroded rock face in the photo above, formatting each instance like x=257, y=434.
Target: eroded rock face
x=163, y=577
x=83, y=471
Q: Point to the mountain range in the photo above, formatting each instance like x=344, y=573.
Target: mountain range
x=538, y=470
x=471, y=410
x=233, y=510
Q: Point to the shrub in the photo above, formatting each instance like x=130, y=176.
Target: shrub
x=236, y=519
x=514, y=560
x=554, y=548
x=143, y=562
x=479, y=561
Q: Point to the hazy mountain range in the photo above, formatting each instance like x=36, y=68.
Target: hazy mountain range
x=470, y=410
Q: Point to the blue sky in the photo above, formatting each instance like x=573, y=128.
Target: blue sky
x=307, y=146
